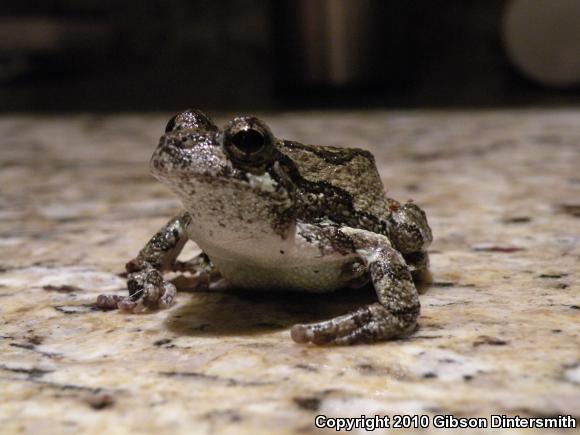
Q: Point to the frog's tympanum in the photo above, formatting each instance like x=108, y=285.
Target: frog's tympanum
x=272, y=214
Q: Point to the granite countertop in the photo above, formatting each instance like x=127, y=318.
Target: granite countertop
x=499, y=328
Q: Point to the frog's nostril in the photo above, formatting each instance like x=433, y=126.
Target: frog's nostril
x=176, y=141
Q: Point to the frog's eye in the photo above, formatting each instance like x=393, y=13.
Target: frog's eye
x=171, y=124
x=248, y=141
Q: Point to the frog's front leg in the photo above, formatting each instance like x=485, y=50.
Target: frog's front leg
x=147, y=288
x=395, y=314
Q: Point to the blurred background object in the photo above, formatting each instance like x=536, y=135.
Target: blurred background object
x=91, y=55
x=341, y=43
x=542, y=38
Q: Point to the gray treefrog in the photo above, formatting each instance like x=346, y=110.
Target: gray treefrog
x=273, y=214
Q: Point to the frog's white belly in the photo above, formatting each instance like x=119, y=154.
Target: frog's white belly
x=257, y=258
x=321, y=276
x=269, y=263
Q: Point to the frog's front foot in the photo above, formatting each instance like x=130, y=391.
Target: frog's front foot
x=366, y=325
x=148, y=291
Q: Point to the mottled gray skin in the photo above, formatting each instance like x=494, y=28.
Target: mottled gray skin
x=271, y=214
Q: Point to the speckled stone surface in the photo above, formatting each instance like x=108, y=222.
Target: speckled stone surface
x=499, y=329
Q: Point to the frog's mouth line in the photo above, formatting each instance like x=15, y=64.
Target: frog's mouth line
x=164, y=170
x=170, y=161
x=187, y=185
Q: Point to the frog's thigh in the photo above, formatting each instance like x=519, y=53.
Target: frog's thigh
x=393, y=316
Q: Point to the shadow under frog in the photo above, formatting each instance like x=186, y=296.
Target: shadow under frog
x=245, y=312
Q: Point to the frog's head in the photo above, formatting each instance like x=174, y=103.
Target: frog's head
x=228, y=173
x=193, y=149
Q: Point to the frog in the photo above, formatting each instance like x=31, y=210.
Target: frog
x=272, y=214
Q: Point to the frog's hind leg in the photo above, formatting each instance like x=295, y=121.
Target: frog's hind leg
x=395, y=314
x=203, y=271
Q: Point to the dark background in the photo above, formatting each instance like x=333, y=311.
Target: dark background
x=104, y=55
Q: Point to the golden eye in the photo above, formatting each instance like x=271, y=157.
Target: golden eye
x=249, y=142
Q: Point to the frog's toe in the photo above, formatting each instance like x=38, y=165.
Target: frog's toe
x=129, y=306
x=320, y=333
x=299, y=333
x=329, y=331
x=116, y=302
x=108, y=302
x=153, y=297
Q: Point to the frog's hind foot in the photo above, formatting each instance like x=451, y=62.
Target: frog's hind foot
x=203, y=273
x=366, y=325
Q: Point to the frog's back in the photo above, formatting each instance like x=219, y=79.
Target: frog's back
x=350, y=170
